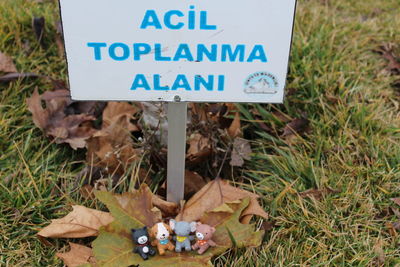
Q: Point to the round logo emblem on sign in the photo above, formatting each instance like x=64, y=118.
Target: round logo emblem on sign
x=261, y=82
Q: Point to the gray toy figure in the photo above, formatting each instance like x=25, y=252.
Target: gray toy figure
x=183, y=237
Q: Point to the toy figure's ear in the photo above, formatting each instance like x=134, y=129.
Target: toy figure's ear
x=172, y=223
x=212, y=229
x=193, y=226
x=133, y=230
x=198, y=223
x=145, y=228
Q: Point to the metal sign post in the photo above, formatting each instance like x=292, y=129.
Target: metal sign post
x=177, y=119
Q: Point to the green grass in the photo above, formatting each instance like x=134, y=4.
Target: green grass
x=353, y=146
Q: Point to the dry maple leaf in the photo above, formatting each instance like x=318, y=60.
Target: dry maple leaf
x=80, y=222
x=112, y=147
x=387, y=52
x=241, y=151
x=77, y=256
x=116, y=110
x=72, y=129
x=135, y=208
x=6, y=64
x=215, y=194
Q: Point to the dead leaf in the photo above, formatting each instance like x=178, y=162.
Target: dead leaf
x=241, y=151
x=197, y=143
x=112, y=147
x=230, y=230
x=193, y=183
x=235, y=129
x=387, y=52
x=200, y=157
x=72, y=129
x=318, y=194
x=135, y=207
x=6, y=64
x=85, y=107
x=216, y=193
x=268, y=225
x=168, y=209
x=80, y=222
x=220, y=213
x=77, y=256
x=216, y=114
x=296, y=127
x=199, y=149
x=115, y=110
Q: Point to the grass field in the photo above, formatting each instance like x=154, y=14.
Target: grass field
x=335, y=79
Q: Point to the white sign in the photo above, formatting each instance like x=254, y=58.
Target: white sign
x=159, y=50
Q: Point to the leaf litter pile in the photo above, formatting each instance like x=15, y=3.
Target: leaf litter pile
x=117, y=135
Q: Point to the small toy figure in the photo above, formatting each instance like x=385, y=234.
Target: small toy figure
x=161, y=232
x=204, y=234
x=140, y=237
x=183, y=237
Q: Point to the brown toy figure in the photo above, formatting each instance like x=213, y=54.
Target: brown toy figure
x=204, y=234
x=161, y=233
